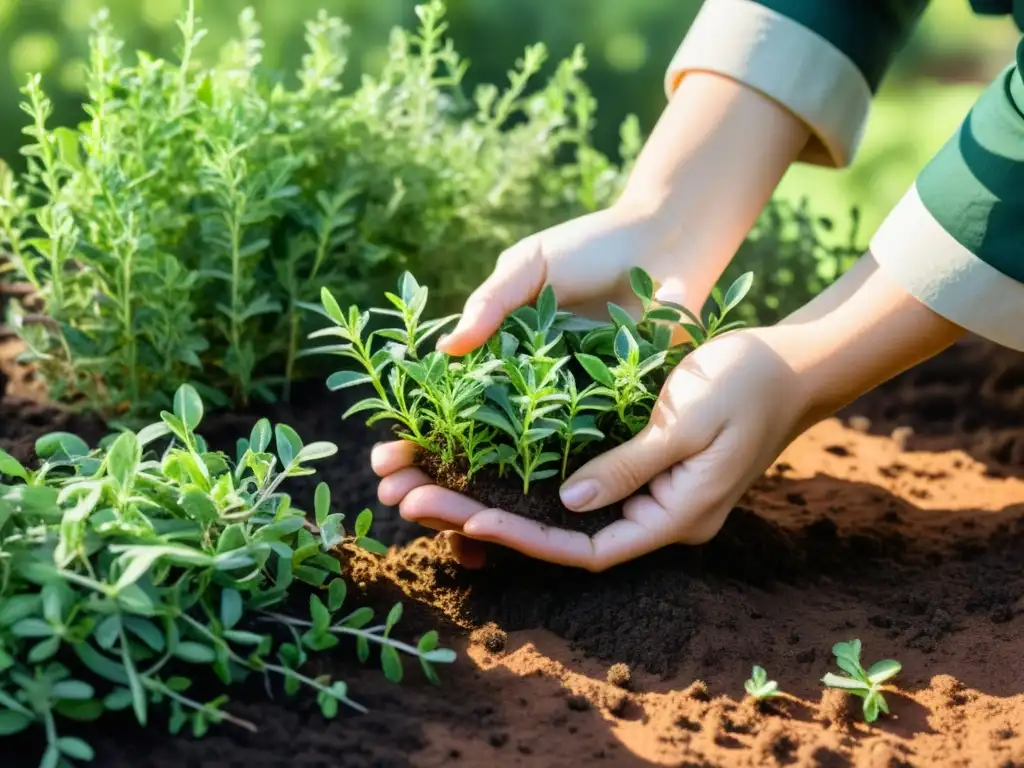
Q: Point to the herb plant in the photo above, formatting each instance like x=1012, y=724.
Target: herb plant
x=126, y=573
x=545, y=387
x=173, y=235
x=759, y=686
x=865, y=683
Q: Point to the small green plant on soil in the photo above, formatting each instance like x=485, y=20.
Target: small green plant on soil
x=171, y=237
x=865, y=683
x=545, y=386
x=135, y=579
x=759, y=686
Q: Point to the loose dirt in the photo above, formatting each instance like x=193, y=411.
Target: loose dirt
x=914, y=544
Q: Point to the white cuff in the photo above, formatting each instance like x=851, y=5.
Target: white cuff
x=785, y=61
x=914, y=250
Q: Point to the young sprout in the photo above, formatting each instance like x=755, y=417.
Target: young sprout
x=866, y=683
x=759, y=686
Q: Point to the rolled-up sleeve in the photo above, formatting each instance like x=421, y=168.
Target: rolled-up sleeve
x=956, y=239
x=821, y=60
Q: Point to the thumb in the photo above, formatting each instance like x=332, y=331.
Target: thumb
x=625, y=469
x=517, y=280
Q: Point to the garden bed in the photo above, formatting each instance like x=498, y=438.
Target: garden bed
x=914, y=543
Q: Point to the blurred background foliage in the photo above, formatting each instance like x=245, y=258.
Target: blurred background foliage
x=628, y=44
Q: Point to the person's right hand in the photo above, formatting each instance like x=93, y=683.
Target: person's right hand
x=587, y=262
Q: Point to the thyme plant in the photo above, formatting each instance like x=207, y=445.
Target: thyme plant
x=126, y=574
x=173, y=235
x=542, y=389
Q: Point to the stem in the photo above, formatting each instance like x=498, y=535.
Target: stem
x=156, y=686
x=370, y=634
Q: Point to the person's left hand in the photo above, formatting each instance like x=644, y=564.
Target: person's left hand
x=723, y=417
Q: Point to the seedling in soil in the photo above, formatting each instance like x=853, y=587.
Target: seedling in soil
x=128, y=574
x=760, y=687
x=866, y=683
x=545, y=387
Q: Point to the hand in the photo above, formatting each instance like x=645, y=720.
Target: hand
x=724, y=415
x=587, y=261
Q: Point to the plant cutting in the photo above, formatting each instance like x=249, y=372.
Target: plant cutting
x=130, y=577
x=865, y=683
x=548, y=390
x=759, y=687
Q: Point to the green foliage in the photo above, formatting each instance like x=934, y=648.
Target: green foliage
x=759, y=686
x=125, y=572
x=174, y=234
x=865, y=683
x=793, y=254
x=543, y=387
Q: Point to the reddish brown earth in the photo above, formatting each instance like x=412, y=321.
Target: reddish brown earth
x=915, y=544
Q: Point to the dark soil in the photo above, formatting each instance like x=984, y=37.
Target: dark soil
x=542, y=503
x=915, y=546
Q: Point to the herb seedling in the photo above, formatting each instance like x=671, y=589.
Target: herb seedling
x=865, y=683
x=759, y=686
x=546, y=386
x=126, y=573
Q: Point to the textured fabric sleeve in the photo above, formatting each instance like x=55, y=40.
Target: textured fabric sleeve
x=956, y=239
x=821, y=59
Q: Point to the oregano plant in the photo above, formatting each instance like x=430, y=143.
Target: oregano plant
x=130, y=572
x=545, y=387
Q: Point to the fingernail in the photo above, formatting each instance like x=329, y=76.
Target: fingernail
x=579, y=494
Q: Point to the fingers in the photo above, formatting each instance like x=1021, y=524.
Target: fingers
x=621, y=541
x=388, y=458
x=470, y=554
x=516, y=281
x=437, y=504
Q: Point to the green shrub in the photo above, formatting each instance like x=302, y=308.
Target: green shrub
x=172, y=236
x=124, y=573
x=544, y=387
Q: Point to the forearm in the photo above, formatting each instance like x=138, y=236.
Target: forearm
x=862, y=331
x=706, y=173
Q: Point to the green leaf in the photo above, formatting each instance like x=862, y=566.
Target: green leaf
x=363, y=523
x=11, y=467
x=287, y=442
x=621, y=317
x=359, y=618
x=598, y=371
x=51, y=757
x=372, y=545
x=626, y=348
x=428, y=642
x=394, y=616
x=316, y=451
x=322, y=502
x=391, y=663
x=641, y=284
x=871, y=708
x=188, y=406
x=56, y=443
x=260, y=436
x=12, y=722
x=319, y=614
x=44, y=650
x=100, y=664
x=231, y=607
x=547, y=306
x=195, y=653
x=75, y=748
x=491, y=417
x=72, y=690
x=737, y=291
x=32, y=628
x=882, y=671
x=124, y=458
x=336, y=593
x=440, y=656
x=846, y=683
x=153, y=432
x=331, y=307
x=119, y=699
x=345, y=379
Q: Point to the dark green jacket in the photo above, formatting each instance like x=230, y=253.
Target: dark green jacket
x=956, y=239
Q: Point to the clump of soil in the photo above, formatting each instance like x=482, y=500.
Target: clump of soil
x=619, y=675
x=505, y=491
x=837, y=708
x=490, y=637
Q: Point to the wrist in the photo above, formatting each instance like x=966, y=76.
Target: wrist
x=862, y=331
